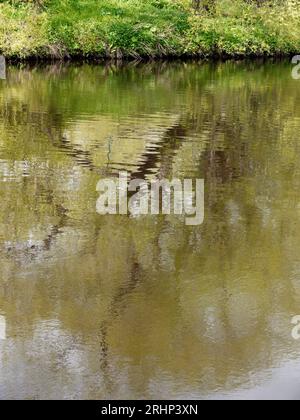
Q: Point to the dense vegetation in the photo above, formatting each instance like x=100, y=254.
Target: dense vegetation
x=152, y=28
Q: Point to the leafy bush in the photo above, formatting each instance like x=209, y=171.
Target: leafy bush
x=137, y=28
x=242, y=28
x=118, y=27
x=23, y=30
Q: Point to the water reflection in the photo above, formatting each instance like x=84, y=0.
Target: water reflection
x=102, y=307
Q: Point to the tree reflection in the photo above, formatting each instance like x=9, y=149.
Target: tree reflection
x=120, y=306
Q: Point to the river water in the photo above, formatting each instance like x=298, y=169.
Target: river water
x=101, y=307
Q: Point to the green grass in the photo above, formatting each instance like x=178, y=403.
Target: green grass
x=147, y=28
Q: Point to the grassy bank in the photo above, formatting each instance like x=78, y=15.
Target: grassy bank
x=148, y=28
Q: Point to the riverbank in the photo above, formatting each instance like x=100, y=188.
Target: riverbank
x=150, y=28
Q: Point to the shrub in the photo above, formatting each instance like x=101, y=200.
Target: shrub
x=23, y=30
x=135, y=28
